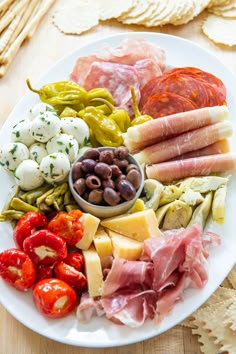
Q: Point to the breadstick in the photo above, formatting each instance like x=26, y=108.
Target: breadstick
x=6, y=35
x=31, y=33
x=19, y=40
x=13, y=10
x=4, y=4
x=24, y=18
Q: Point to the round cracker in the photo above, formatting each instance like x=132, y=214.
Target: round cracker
x=112, y=9
x=139, y=7
x=75, y=17
x=220, y=30
x=159, y=10
x=185, y=12
x=218, y=3
x=141, y=18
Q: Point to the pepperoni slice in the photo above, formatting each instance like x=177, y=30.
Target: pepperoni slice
x=165, y=103
x=214, y=81
x=185, y=86
x=146, y=90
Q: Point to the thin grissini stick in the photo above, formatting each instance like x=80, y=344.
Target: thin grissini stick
x=31, y=33
x=5, y=4
x=13, y=10
x=16, y=45
x=193, y=140
x=161, y=128
x=219, y=147
x=26, y=13
x=6, y=35
x=198, y=166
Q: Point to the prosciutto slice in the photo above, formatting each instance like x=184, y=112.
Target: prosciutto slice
x=128, y=274
x=130, y=307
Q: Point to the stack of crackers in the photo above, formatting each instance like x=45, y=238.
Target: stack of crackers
x=220, y=25
x=18, y=21
x=215, y=322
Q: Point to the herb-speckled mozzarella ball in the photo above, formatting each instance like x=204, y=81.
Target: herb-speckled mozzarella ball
x=21, y=133
x=37, y=152
x=76, y=127
x=55, y=167
x=63, y=143
x=40, y=108
x=28, y=175
x=12, y=154
x=45, y=126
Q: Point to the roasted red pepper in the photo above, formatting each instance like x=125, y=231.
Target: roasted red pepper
x=45, y=247
x=17, y=269
x=54, y=298
x=67, y=226
x=44, y=271
x=70, y=275
x=76, y=260
x=28, y=223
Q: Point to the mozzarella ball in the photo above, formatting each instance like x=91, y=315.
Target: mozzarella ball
x=76, y=127
x=37, y=152
x=40, y=108
x=55, y=167
x=12, y=154
x=28, y=175
x=21, y=133
x=45, y=126
x=63, y=143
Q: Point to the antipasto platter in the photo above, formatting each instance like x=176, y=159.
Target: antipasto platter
x=99, y=331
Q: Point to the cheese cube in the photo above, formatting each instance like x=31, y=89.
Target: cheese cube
x=139, y=226
x=93, y=271
x=125, y=247
x=102, y=243
x=90, y=224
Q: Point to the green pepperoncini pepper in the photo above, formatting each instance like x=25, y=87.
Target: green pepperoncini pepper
x=105, y=130
x=138, y=118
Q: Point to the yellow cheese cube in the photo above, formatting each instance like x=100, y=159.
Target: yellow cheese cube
x=90, y=224
x=139, y=226
x=102, y=243
x=125, y=247
x=93, y=271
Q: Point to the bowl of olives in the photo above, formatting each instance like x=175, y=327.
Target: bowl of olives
x=106, y=181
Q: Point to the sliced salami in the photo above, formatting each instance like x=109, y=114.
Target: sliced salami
x=185, y=86
x=146, y=90
x=211, y=79
x=165, y=103
x=117, y=78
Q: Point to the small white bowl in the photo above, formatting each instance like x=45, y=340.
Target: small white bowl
x=106, y=211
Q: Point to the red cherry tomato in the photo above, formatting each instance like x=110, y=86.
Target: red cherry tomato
x=28, y=223
x=70, y=275
x=67, y=226
x=17, y=269
x=76, y=260
x=45, y=247
x=54, y=298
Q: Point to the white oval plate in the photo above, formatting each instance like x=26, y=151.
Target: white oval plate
x=101, y=332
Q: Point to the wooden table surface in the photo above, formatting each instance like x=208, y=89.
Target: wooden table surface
x=34, y=58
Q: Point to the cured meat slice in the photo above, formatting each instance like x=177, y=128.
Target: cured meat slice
x=130, y=307
x=146, y=69
x=213, y=80
x=166, y=103
x=220, y=147
x=82, y=68
x=127, y=274
x=186, y=86
x=185, y=142
x=198, y=166
x=117, y=78
x=215, y=90
x=146, y=90
x=133, y=49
